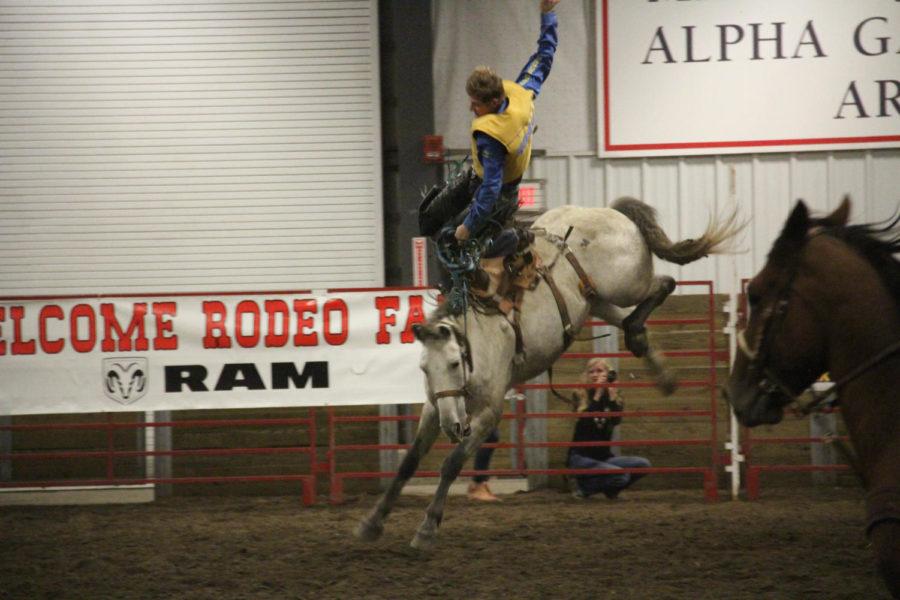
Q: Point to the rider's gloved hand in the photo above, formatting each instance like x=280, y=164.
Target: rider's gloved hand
x=447, y=236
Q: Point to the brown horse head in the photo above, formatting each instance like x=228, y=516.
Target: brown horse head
x=781, y=347
x=828, y=299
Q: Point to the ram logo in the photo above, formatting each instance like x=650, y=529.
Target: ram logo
x=125, y=379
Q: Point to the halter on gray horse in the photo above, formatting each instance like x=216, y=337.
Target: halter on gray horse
x=470, y=360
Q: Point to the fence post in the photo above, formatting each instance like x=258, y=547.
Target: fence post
x=5, y=448
x=143, y=443
x=535, y=431
x=162, y=465
x=822, y=425
x=733, y=445
x=713, y=391
x=335, y=482
x=313, y=435
x=388, y=433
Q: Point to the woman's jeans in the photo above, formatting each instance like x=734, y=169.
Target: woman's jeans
x=610, y=484
x=483, y=456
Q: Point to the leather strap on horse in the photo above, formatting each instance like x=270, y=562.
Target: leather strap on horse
x=465, y=353
x=587, y=287
x=568, y=336
x=832, y=393
x=446, y=393
x=571, y=401
x=517, y=328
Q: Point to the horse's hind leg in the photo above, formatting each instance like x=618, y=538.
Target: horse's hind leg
x=616, y=316
x=372, y=526
x=633, y=324
x=482, y=425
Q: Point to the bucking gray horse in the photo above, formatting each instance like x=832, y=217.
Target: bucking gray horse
x=599, y=264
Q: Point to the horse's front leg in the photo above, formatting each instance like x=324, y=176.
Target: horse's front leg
x=482, y=425
x=372, y=526
x=886, y=543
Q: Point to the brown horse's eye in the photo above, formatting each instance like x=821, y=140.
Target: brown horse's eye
x=753, y=298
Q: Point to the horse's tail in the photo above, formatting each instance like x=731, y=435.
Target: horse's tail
x=715, y=240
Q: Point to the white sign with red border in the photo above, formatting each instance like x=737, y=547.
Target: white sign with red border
x=741, y=76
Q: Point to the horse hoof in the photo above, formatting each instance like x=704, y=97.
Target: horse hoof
x=667, y=384
x=368, y=531
x=423, y=542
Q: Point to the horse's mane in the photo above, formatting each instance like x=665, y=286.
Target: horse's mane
x=441, y=312
x=879, y=242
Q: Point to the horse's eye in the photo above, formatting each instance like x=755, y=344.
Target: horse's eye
x=753, y=298
x=454, y=365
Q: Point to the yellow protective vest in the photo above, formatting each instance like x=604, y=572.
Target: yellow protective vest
x=512, y=128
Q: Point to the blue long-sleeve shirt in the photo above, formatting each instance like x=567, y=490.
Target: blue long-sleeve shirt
x=491, y=153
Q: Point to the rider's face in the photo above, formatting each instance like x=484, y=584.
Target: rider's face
x=482, y=108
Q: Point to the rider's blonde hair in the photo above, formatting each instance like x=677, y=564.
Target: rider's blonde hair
x=484, y=85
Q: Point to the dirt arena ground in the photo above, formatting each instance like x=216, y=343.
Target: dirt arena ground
x=652, y=544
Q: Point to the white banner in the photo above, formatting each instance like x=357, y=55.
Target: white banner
x=740, y=76
x=181, y=352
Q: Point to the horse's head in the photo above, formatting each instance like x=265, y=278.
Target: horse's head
x=447, y=363
x=781, y=351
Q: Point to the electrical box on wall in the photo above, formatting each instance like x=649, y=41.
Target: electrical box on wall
x=532, y=202
x=433, y=149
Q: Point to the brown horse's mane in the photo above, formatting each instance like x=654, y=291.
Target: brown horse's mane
x=879, y=243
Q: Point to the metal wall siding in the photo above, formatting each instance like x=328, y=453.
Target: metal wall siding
x=764, y=188
x=198, y=146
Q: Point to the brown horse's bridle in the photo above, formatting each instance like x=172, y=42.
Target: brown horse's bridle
x=769, y=382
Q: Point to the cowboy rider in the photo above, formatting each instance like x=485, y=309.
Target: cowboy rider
x=501, y=147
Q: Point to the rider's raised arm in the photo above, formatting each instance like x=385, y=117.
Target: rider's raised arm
x=536, y=70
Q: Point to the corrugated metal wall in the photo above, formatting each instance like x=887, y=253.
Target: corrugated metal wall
x=197, y=145
x=764, y=188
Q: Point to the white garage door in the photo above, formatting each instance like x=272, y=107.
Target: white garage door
x=190, y=146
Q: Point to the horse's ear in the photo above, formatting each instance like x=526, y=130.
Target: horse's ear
x=840, y=216
x=797, y=223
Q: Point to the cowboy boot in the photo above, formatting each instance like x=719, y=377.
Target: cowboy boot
x=444, y=202
x=502, y=244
